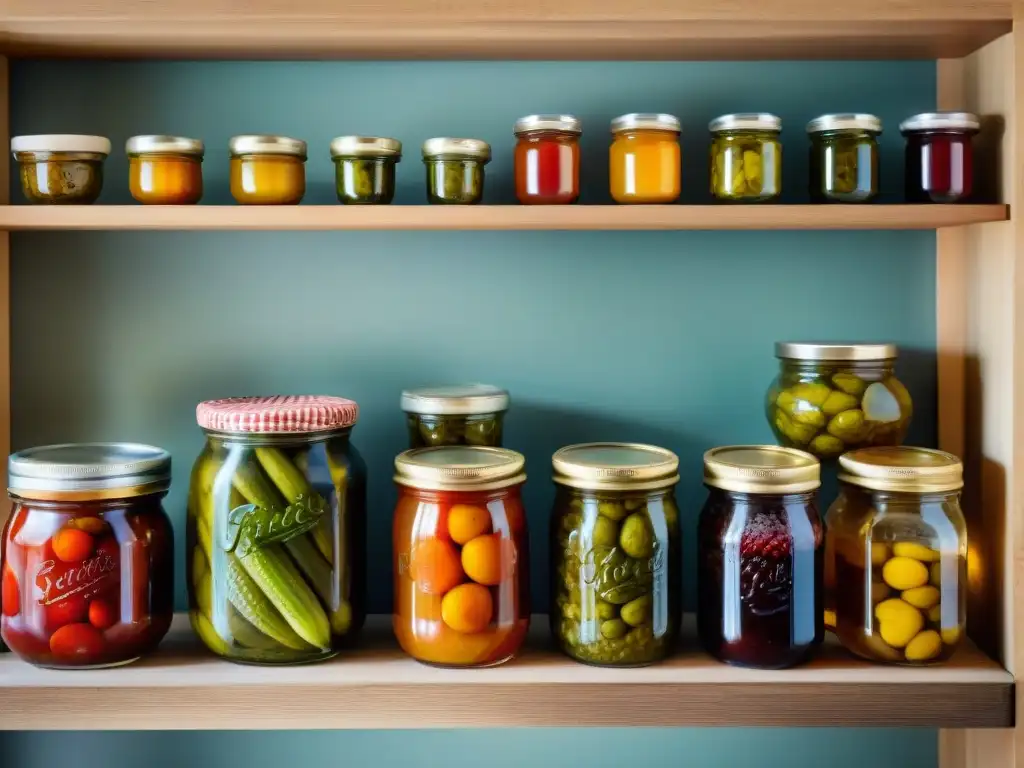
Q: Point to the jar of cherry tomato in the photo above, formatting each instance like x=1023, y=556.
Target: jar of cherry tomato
x=643, y=161
x=461, y=555
x=88, y=553
x=939, y=160
x=547, y=159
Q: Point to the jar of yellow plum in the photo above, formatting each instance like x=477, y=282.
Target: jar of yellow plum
x=746, y=157
x=896, y=555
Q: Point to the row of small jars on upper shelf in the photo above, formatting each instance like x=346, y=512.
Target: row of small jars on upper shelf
x=644, y=164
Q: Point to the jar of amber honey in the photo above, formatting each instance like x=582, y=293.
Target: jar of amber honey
x=268, y=170
x=165, y=170
x=644, y=159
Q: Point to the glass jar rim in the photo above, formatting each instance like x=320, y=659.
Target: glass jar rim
x=746, y=121
x=615, y=467
x=646, y=121
x=761, y=469
x=460, y=468
x=82, y=471
x=814, y=351
x=902, y=469
x=847, y=121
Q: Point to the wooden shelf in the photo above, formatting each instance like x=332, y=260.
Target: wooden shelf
x=185, y=687
x=496, y=217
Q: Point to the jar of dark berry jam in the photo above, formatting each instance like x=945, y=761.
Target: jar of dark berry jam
x=760, y=556
x=939, y=162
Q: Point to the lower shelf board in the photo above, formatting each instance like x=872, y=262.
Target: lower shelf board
x=183, y=686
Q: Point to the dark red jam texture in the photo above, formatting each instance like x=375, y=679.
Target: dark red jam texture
x=939, y=167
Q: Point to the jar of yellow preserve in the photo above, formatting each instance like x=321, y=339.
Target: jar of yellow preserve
x=644, y=160
x=267, y=170
x=165, y=170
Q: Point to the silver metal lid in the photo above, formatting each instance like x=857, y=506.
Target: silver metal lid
x=176, y=145
x=444, y=146
x=941, y=121
x=646, y=121
x=845, y=122
x=566, y=123
x=457, y=400
x=365, y=146
x=267, y=145
x=746, y=121
x=801, y=350
x=88, y=467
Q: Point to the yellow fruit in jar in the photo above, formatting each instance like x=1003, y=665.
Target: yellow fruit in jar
x=898, y=622
x=915, y=551
x=925, y=646
x=922, y=597
x=935, y=574
x=935, y=614
x=467, y=521
x=880, y=650
x=904, y=573
x=888, y=607
x=951, y=635
x=879, y=592
x=879, y=552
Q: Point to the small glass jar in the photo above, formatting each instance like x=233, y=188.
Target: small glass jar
x=896, y=555
x=616, y=560
x=844, y=158
x=267, y=170
x=461, y=549
x=746, y=157
x=547, y=159
x=760, y=556
x=831, y=398
x=60, y=169
x=455, y=170
x=165, y=170
x=466, y=414
x=88, y=555
x=364, y=169
x=644, y=159
x=277, y=529
x=939, y=158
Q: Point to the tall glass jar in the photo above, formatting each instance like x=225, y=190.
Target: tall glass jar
x=616, y=560
x=746, y=157
x=896, y=555
x=939, y=158
x=455, y=170
x=644, y=159
x=844, y=158
x=462, y=565
x=165, y=170
x=88, y=555
x=547, y=159
x=268, y=170
x=831, y=398
x=465, y=414
x=364, y=169
x=277, y=529
x=760, y=556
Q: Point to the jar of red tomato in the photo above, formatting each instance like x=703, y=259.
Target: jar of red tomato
x=939, y=161
x=547, y=159
x=88, y=554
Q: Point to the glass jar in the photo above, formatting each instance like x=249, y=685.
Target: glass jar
x=88, y=555
x=364, y=169
x=455, y=170
x=60, y=169
x=896, y=555
x=467, y=414
x=746, y=157
x=844, y=158
x=277, y=529
x=939, y=158
x=831, y=398
x=461, y=549
x=267, y=170
x=547, y=159
x=165, y=170
x=644, y=159
x=616, y=560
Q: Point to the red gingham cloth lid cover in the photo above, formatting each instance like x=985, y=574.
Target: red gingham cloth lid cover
x=277, y=414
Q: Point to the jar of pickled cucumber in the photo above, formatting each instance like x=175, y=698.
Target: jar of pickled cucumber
x=466, y=414
x=746, y=157
x=844, y=158
x=61, y=169
x=364, y=169
x=896, y=555
x=276, y=529
x=831, y=398
x=455, y=170
x=616, y=561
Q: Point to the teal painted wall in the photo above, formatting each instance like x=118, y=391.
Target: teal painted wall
x=660, y=337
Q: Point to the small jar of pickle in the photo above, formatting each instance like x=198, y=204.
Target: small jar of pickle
x=364, y=168
x=844, y=158
x=455, y=170
x=896, y=555
x=831, y=398
x=61, y=169
x=466, y=414
x=746, y=157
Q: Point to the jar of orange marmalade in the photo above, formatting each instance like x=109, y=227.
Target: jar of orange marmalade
x=644, y=159
x=461, y=555
x=165, y=170
x=268, y=170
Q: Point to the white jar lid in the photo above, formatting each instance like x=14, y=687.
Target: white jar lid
x=61, y=142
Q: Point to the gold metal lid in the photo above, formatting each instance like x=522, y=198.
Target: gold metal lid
x=164, y=145
x=84, y=471
x=902, y=469
x=460, y=468
x=615, y=467
x=813, y=350
x=365, y=146
x=266, y=145
x=769, y=469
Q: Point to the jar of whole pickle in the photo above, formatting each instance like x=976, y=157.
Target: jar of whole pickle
x=277, y=528
x=455, y=170
x=746, y=157
x=644, y=159
x=364, y=169
x=88, y=554
x=844, y=158
x=830, y=398
x=896, y=555
x=462, y=565
x=165, y=170
x=760, y=556
x=466, y=414
x=939, y=158
x=268, y=170
x=616, y=560
x=547, y=159
x=61, y=169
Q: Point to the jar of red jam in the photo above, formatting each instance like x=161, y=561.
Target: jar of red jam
x=760, y=556
x=939, y=162
x=88, y=554
x=547, y=159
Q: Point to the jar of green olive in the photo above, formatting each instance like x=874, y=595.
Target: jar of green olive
x=455, y=170
x=466, y=414
x=364, y=168
x=844, y=158
x=832, y=398
x=61, y=169
x=616, y=563
x=746, y=157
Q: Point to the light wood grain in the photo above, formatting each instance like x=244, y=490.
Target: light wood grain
x=5, y=294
